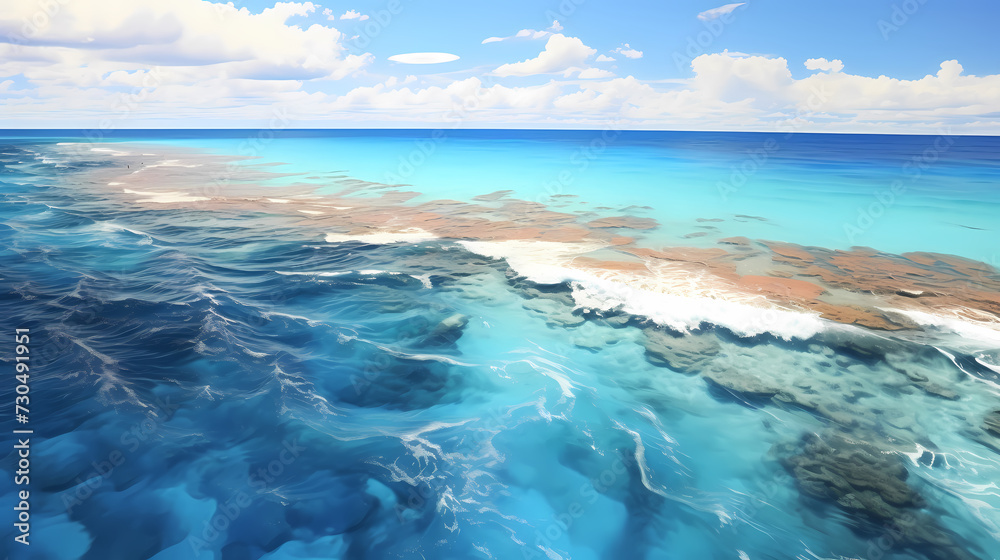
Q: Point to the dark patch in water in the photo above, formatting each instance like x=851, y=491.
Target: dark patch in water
x=970, y=227
x=870, y=486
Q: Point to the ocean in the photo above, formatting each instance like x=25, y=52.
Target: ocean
x=291, y=344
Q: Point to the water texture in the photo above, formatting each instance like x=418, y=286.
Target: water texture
x=233, y=382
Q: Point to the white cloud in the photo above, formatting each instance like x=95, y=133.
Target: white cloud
x=844, y=101
x=192, y=62
x=393, y=81
x=531, y=34
x=423, y=58
x=561, y=54
x=354, y=14
x=628, y=52
x=946, y=93
x=727, y=92
x=282, y=11
x=824, y=65
x=592, y=73
x=435, y=99
x=732, y=78
x=193, y=40
x=743, y=92
x=715, y=13
x=528, y=34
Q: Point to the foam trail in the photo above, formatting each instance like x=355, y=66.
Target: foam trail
x=410, y=235
x=972, y=329
x=669, y=297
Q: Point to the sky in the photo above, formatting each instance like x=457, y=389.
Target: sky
x=899, y=66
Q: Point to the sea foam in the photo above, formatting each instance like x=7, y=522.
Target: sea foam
x=668, y=296
x=973, y=330
x=165, y=197
x=409, y=235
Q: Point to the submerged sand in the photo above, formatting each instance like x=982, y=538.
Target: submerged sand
x=860, y=286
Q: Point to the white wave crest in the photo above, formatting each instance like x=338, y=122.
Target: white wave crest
x=409, y=235
x=668, y=294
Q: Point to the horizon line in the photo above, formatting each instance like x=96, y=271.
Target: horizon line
x=95, y=131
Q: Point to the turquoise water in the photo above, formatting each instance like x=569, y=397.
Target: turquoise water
x=227, y=384
x=893, y=193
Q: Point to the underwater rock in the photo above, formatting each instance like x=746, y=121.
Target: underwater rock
x=869, y=485
x=558, y=293
x=555, y=303
x=448, y=331
x=490, y=197
x=843, y=391
x=594, y=337
x=404, y=384
x=687, y=353
x=920, y=369
x=618, y=321
x=738, y=241
x=856, y=475
x=939, y=391
x=553, y=312
x=991, y=424
x=988, y=433
x=750, y=376
x=630, y=222
x=478, y=287
x=788, y=251
x=863, y=347
x=742, y=384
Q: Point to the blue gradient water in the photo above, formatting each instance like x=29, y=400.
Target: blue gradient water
x=893, y=193
x=204, y=386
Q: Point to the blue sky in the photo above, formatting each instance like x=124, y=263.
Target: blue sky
x=797, y=30
x=676, y=64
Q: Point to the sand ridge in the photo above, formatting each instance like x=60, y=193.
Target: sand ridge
x=860, y=286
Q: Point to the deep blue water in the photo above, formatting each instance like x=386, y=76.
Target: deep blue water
x=226, y=384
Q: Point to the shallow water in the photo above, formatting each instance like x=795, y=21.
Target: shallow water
x=227, y=382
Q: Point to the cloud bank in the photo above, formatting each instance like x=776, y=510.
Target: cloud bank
x=146, y=63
